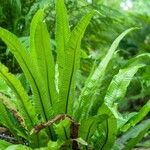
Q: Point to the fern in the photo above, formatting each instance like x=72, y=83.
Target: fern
x=41, y=53
x=24, y=105
x=72, y=58
x=62, y=35
x=54, y=117
x=95, y=80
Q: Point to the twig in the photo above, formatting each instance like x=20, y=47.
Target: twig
x=74, y=128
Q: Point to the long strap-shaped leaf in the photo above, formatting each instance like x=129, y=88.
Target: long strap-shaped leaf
x=89, y=126
x=42, y=54
x=12, y=122
x=15, y=122
x=27, y=64
x=133, y=136
x=62, y=35
x=108, y=129
x=118, y=86
x=30, y=70
x=117, y=89
x=11, y=106
x=24, y=105
x=86, y=98
x=72, y=59
x=138, y=117
x=5, y=119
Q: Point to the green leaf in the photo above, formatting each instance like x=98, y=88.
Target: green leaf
x=14, y=116
x=4, y=144
x=118, y=86
x=39, y=15
x=18, y=147
x=5, y=89
x=116, y=91
x=108, y=129
x=89, y=126
x=23, y=103
x=62, y=130
x=27, y=65
x=62, y=35
x=6, y=120
x=23, y=81
x=72, y=59
x=54, y=145
x=137, y=118
x=29, y=68
x=81, y=141
x=42, y=54
x=133, y=136
x=86, y=99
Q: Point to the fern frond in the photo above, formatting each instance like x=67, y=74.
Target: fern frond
x=23, y=103
x=72, y=60
x=30, y=70
x=8, y=103
x=89, y=126
x=42, y=54
x=118, y=86
x=62, y=35
x=133, y=136
x=108, y=129
x=6, y=120
x=87, y=97
x=137, y=118
x=27, y=65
